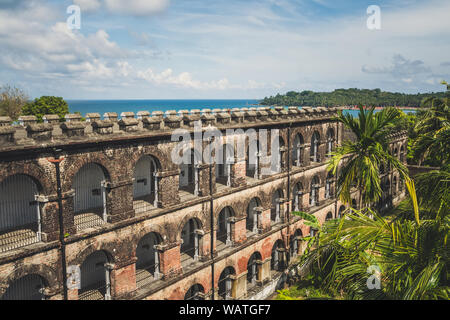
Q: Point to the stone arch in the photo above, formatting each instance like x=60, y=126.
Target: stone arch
x=223, y=225
x=278, y=257
x=50, y=276
x=252, y=267
x=193, y=215
x=106, y=247
x=45, y=184
x=78, y=163
x=275, y=208
x=195, y=292
x=218, y=209
x=224, y=283
x=144, y=230
x=162, y=159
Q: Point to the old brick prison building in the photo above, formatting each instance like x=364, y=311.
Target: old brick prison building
x=97, y=209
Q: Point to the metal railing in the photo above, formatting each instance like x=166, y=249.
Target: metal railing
x=18, y=238
x=91, y=219
x=97, y=291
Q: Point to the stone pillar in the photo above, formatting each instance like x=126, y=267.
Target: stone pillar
x=203, y=180
x=119, y=200
x=48, y=213
x=238, y=230
x=168, y=188
x=170, y=260
x=68, y=211
x=123, y=278
x=306, y=155
x=204, y=242
x=265, y=222
x=238, y=173
x=264, y=271
x=239, y=289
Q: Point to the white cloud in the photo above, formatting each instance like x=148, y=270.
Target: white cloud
x=137, y=7
x=88, y=5
x=183, y=79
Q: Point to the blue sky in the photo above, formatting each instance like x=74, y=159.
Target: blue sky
x=224, y=49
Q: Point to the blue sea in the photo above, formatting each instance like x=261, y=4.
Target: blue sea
x=119, y=106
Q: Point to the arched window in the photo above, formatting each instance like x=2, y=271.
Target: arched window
x=29, y=287
x=314, y=192
x=329, y=216
x=354, y=205
x=298, y=151
x=275, y=211
x=253, y=269
x=314, y=152
x=330, y=141
x=191, y=236
x=226, y=282
x=341, y=212
x=189, y=175
x=196, y=292
x=252, y=215
x=145, y=185
x=147, y=264
x=252, y=158
x=90, y=197
x=278, y=261
x=394, y=186
x=223, y=166
x=278, y=155
x=95, y=277
x=223, y=234
x=402, y=153
x=297, y=194
x=294, y=243
x=328, y=186
x=20, y=212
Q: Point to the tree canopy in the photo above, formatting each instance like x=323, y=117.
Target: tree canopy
x=46, y=105
x=12, y=100
x=349, y=97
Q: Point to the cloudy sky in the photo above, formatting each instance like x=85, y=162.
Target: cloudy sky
x=225, y=49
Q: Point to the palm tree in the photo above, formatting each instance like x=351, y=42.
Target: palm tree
x=433, y=130
x=359, y=161
x=410, y=256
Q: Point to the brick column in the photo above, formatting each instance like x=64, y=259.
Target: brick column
x=168, y=188
x=238, y=230
x=306, y=154
x=204, y=244
x=48, y=209
x=238, y=173
x=123, y=278
x=203, y=180
x=170, y=260
x=119, y=200
x=264, y=223
x=264, y=271
x=68, y=212
x=239, y=289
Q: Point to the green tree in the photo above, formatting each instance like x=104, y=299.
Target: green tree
x=12, y=100
x=409, y=253
x=359, y=161
x=433, y=131
x=46, y=105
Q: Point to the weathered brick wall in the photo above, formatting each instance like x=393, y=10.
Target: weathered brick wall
x=117, y=151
